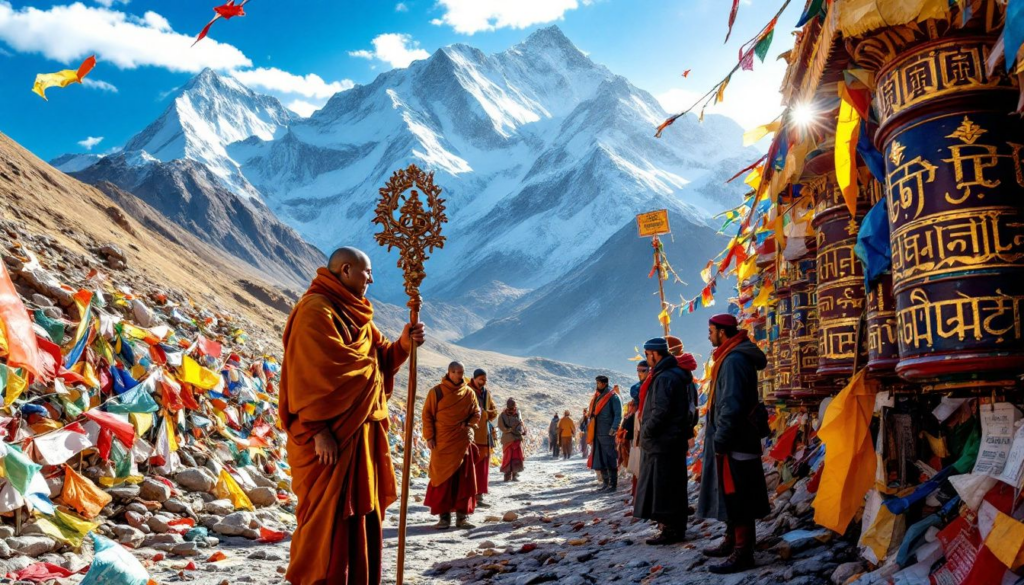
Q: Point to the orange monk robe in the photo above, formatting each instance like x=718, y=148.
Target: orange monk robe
x=338, y=373
x=450, y=422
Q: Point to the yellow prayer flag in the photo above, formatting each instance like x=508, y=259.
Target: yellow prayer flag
x=1006, y=541
x=721, y=91
x=849, y=455
x=753, y=180
x=15, y=386
x=938, y=445
x=752, y=136
x=664, y=318
x=847, y=132
x=45, y=81
x=142, y=421
x=66, y=527
x=198, y=376
x=879, y=536
x=228, y=488
x=747, y=269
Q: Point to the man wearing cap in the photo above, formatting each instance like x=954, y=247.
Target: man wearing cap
x=482, y=435
x=732, y=485
x=450, y=417
x=566, y=429
x=664, y=432
x=606, y=414
x=689, y=363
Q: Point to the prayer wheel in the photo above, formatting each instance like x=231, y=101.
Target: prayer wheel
x=954, y=182
x=841, y=294
x=784, y=363
x=882, y=333
x=804, y=332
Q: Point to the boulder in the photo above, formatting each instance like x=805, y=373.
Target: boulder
x=263, y=496
x=186, y=549
x=154, y=490
x=159, y=524
x=32, y=546
x=126, y=492
x=845, y=571
x=178, y=506
x=132, y=537
x=236, y=524
x=219, y=507
x=196, y=479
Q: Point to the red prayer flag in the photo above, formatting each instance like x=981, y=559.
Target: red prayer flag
x=784, y=446
x=22, y=347
x=270, y=536
x=120, y=428
x=732, y=18
x=86, y=67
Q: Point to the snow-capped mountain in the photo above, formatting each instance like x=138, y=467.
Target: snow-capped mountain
x=207, y=114
x=190, y=194
x=72, y=163
x=542, y=154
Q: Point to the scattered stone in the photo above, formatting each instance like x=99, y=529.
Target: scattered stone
x=510, y=517
x=31, y=546
x=128, y=535
x=486, y=544
x=177, y=506
x=219, y=507
x=126, y=492
x=845, y=571
x=236, y=524
x=196, y=479
x=159, y=524
x=155, y=490
x=186, y=549
x=263, y=496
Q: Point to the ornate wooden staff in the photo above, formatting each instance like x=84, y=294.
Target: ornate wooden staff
x=416, y=231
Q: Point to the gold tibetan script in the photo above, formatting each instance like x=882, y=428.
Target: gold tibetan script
x=963, y=318
x=905, y=184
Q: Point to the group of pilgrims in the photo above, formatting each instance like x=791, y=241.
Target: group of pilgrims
x=339, y=372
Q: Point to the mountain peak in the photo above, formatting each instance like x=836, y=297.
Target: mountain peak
x=549, y=37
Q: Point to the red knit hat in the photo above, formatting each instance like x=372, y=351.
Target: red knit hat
x=724, y=320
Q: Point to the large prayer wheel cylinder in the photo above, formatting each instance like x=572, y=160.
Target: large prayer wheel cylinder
x=784, y=363
x=955, y=186
x=804, y=332
x=841, y=294
x=883, y=335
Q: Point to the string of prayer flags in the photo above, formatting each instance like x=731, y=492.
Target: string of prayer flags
x=225, y=11
x=63, y=78
x=754, y=165
x=814, y=8
x=720, y=96
x=765, y=42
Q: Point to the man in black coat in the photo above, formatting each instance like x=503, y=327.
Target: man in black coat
x=732, y=485
x=664, y=433
x=606, y=415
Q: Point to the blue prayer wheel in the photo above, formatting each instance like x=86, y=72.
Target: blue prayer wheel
x=954, y=182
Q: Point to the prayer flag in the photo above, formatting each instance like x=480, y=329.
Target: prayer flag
x=22, y=348
x=847, y=134
x=752, y=136
x=63, y=78
x=874, y=248
x=849, y=454
x=81, y=494
x=1013, y=31
x=732, y=18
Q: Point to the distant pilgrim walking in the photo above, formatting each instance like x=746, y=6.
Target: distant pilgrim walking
x=337, y=375
x=510, y=423
x=450, y=417
x=606, y=409
x=482, y=436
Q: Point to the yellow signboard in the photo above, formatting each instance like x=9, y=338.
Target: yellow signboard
x=653, y=223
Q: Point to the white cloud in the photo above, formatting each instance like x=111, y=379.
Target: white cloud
x=71, y=33
x=473, y=16
x=397, y=50
x=90, y=142
x=109, y=3
x=278, y=81
x=98, y=84
x=303, y=108
x=401, y=7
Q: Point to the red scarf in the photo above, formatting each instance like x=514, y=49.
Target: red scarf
x=719, y=356
x=685, y=361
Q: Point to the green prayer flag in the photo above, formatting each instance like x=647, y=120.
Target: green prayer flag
x=20, y=469
x=136, y=400
x=122, y=460
x=761, y=49
x=55, y=329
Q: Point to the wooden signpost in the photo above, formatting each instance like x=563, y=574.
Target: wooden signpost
x=651, y=225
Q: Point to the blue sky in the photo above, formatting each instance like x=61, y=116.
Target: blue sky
x=303, y=55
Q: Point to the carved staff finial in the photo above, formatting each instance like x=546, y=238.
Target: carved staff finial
x=415, y=231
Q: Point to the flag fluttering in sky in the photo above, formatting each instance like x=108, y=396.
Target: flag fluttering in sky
x=63, y=78
x=227, y=12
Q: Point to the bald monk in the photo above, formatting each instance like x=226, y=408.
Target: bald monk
x=337, y=375
x=450, y=416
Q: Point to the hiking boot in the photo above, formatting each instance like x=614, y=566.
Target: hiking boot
x=508, y=477
x=480, y=503
x=668, y=536
x=604, y=488
x=444, y=522
x=515, y=477
x=462, y=522
x=724, y=548
x=740, y=560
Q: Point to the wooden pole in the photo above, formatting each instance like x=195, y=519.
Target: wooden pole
x=410, y=417
x=661, y=283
